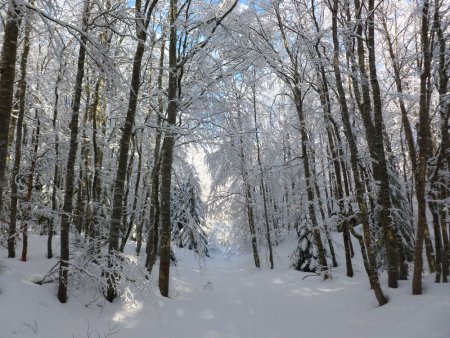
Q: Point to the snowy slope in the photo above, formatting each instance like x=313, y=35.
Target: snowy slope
x=224, y=298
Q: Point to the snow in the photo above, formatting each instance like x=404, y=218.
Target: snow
x=223, y=297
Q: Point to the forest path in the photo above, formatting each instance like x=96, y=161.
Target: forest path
x=223, y=297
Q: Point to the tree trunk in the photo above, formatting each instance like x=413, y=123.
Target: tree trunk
x=308, y=177
x=7, y=78
x=437, y=193
x=167, y=156
x=393, y=251
x=56, y=178
x=367, y=249
x=249, y=204
x=154, y=214
x=335, y=158
x=97, y=123
x=116, y=217
x=71, y=162
x=22, y=87
x=30, y=185
x=135, y=200
x=424, y=142
x=153, y=228
x=263, y=187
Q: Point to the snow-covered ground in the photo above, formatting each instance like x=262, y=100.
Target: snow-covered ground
x=223, y=297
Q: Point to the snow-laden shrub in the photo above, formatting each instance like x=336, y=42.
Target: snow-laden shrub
x=305, y=257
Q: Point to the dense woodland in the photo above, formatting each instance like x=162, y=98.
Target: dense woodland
x=313, y=117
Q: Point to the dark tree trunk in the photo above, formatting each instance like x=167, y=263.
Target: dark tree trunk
x=56, y=178
x=7, y=78
x=308, y=177
x=71, y=162
x=335, y=158
x=366, y=249
x=153, y=228
x=249, y=204
x=135, y=200
x=97, y=123
x=393, y=252
x=167, y=157
x=116, y=217
x=263, y=184
x=437, y=179
x=424, y=143
x=22, y=87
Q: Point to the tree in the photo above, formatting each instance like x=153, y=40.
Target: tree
x=143, y=16
x=173, y=91
x=7, y=77
x=18, y=146
x=73, y=145
x=188, y=220
x=424, y=143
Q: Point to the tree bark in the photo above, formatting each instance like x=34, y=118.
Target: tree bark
x=71, y=162
x=153, y=228
x=22, y=87
x=135, y=200
x=308, y=177
x=116, y=217
x=7, y=78
x=263, y=184
x=167, y=156
x=424, y=143
x=367, y=249
x=56, y=175
x=393, y=251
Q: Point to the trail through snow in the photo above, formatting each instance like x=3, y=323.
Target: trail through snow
x=225, y=298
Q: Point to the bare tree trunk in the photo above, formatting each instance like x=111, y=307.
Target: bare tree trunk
x=142, y=22
x=394, y=248
x=367, y=249
x=82, y=202
x=167, y=156
x=334, y=150
x=97, y=122
x=308, y=177
x=56, y=178
x=294, y=82
x=437, y=192
x=30, y=185
x=251, y=223
x=135, y=199
x=424, y=142
x=22, y=87
x=261, y=173
x=125, y=212
x=7, y=78
x=327, y=231
x=154, y=214
x=70, y=174
x=249, y=204
x=153, y=228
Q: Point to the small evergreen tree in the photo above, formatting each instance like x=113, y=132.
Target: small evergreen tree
x=305, y=257
x=188, y=222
